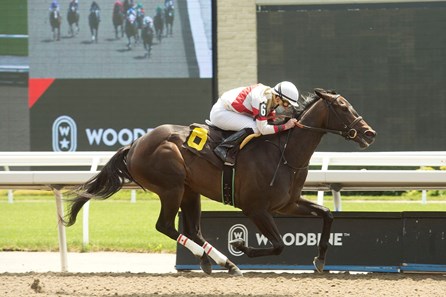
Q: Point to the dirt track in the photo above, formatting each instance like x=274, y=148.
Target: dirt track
x=220, y=284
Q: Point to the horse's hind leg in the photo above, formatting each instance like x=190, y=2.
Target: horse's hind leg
x=191, y=210
x=170, y=205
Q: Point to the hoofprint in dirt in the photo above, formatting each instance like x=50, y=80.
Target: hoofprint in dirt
x=221, y=284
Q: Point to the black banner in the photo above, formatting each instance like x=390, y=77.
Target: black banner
x=359, y=241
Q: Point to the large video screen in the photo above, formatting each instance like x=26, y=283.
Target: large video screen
x=109, y=41
x=100, y=91
x=387, y=59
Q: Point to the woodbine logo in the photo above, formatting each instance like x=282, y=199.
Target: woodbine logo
x=64, y=134
x=65, y=138
x=240, y=232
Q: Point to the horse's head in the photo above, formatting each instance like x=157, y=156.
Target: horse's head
x=343, y=119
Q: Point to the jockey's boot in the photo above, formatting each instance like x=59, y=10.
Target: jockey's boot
x=228, y=149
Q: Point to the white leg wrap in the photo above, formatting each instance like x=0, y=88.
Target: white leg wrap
x=215, y=254
x=191, y=245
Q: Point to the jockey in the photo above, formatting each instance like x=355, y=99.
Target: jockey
x=131, y=14
x=168, y=3
x=159, y=10
x=119, y=4
x=95, y=8
x=139, y=10
x=148, y=22
x=74, y=5
x=251, y=107
x=54, y=6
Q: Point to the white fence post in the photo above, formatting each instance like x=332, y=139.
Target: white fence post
x=61, y=231
x=423, y=197
x=133, y=196
x=320, y=194
x=10, y=196
x=85, y=225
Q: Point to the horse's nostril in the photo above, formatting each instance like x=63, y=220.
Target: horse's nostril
x=370, y=133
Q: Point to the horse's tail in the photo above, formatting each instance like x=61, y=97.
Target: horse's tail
x=106, y=183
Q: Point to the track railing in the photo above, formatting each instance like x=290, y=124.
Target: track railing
x=360, y=172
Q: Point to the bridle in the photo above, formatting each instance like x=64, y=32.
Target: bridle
x=349, y=132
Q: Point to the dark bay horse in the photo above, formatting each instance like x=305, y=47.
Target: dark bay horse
x=158, y=22
x=118, y=19
x=147, y=33
x=270, y=174
x=131, y=30
x=73, y=19
x=169, y=16
x=94, y=18
x=55, y=21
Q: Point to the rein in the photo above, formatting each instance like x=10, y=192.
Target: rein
x=285, y=162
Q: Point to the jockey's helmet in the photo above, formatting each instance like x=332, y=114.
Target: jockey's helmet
x=288, y=91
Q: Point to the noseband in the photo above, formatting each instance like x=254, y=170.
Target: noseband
x=349, y=132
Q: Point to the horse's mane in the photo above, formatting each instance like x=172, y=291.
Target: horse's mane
x=305, y=102
x=308, y=100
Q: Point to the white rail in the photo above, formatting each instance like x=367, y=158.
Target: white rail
x=26, y=170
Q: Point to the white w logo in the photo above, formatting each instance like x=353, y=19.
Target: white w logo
x=64, y=131
x=237, y=231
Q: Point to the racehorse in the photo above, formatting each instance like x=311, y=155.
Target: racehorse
x=131, y=29
x=73, y=19
x=147, y=36
x=118, y=19
x=269, y=176
x=55, y=21
x=94, y=18
x=158, y=22
x=169, y=15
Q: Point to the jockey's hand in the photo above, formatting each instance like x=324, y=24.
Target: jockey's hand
x=290, y=124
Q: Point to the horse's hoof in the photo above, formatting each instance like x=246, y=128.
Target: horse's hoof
x=205, y=264
x=232, y=269
x=318, y=264
x=238, y=243
x=235, y=271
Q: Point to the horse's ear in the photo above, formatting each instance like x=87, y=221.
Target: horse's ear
x=320, y=92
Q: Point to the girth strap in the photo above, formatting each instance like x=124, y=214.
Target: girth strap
x=227, y=185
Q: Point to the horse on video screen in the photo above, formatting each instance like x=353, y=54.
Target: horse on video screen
x=55, y=22
x=73, y=19
x=158, y=22
x=269, y=176
x=94, y=18
x=118, y=18
x=169, y=16
x=147, y=33
x=131, y=30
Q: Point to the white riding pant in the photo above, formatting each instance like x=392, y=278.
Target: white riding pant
x=230, y=120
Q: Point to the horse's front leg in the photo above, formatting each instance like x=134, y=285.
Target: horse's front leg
x=306, y=207
x=97, y=33
x=266, y=225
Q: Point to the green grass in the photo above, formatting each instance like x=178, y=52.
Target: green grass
x=13, y=20
x=30, y=222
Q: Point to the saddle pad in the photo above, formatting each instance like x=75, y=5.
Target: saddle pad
x=202, y=141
